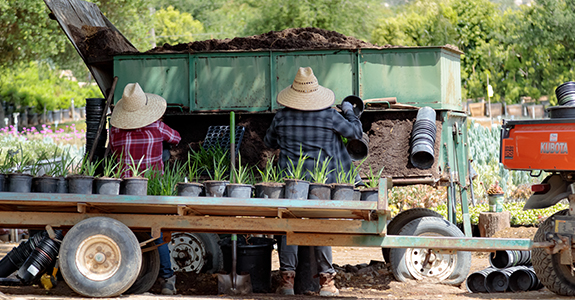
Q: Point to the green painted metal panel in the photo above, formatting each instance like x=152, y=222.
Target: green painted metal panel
x=232, y=82
x=333, y=70
x=250, y=81
x=416, y=76
x=166, y=76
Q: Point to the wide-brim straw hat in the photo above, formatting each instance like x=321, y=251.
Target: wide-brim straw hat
x=305, y=93
x=137, y=109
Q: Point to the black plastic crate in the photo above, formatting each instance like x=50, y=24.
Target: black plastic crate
x=220, y=135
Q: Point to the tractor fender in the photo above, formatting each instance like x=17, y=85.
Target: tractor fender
x=557, y=192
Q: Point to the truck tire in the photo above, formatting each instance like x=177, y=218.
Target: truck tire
x=196, y=252
x=449, y=268
x=100, y=257
x=548, y=268
x=404, y=217
x=150, y=267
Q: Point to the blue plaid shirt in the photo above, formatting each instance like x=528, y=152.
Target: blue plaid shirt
x=314, y=131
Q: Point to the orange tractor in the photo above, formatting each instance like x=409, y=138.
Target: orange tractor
x=543, y=145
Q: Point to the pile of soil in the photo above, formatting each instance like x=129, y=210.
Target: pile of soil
x=290, y=38
x=100, y=43
x=389, y=140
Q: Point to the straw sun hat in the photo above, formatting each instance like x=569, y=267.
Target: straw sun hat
x=137, y=109
x=305, y=93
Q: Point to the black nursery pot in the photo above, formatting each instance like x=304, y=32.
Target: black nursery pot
x=45, y=184
x=107, y=186
x=135, y=186
x=80, y=184
x=189, y=189
x=20, y=183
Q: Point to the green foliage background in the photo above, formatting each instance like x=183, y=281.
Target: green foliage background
x=525, y=50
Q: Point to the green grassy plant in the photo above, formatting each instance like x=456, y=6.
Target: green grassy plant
x=112, y=166
x=135, y=168
x=219, y=168
x=271, y=173
x=194, y=169
x=241, y=174
x=165, y=184
x=320, y=171
x=373, y=179
x=348, y=177
x=296, y=171
x=20, y=160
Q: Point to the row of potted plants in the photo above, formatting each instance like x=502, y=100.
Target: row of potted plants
x=104, y=177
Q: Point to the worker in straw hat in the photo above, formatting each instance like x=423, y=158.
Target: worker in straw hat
x=137, y=135
x=309, y=124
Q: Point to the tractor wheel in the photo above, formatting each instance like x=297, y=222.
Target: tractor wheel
x=448, y=267
x=556, y=277
x=100, y=257
x=150, y=267
x=404, y=217
x=196, y=252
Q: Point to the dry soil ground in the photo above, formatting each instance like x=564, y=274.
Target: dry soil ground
x=375, y=282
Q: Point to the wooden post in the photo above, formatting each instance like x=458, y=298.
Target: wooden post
x=492, y=222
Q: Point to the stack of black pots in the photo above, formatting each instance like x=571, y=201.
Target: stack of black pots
x=423, y=139
x=566, y=93
x=94, y=110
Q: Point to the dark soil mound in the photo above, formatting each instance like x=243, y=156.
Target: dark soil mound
x=99, y=43
x=291, y=38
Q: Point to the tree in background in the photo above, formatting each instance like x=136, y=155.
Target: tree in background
x=173, y=27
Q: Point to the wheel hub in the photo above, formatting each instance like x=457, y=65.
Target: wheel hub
x=426, y=263
x=98, y=257
x=188, y=253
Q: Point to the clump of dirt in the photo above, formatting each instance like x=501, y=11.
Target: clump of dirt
x=290, y=38
x=521, y=232
x=100, y=43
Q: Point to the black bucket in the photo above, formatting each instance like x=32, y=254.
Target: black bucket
x=215, y=188
x=356, y=102
x=342, y=192
x=45, y=184
x=565, y=93
x=296, y=189
x=135, y=186
x=271, y=190
x=475, y=283
x=254, y=257
x=423, y=139
x=370, y=194
x=20, y=183
x=80, y=184
x=39, y=260
x=62, y=186
x=2, y=182
x=358, y=149
x=107, y=186
x=509, y=258
x=498, y=280
x=18, y=255
x=319, y=191
x=189, y=189
x=524, y=280
x=237, y=190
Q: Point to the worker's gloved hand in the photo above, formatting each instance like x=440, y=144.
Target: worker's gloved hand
x=346, y=106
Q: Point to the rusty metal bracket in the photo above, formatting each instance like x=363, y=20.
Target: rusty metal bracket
x=184, y=210
x=156, y=233
x=51, y=233
x=285, y=213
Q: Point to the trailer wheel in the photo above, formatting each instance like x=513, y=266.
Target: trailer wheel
x=449, y=268
x=100, y=257
x=150, y=267
x=404, y=217
x=556, y=277
x=196, y=252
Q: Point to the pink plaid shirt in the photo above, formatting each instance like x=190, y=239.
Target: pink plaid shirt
x=143, y=142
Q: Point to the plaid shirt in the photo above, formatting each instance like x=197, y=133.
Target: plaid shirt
x=143, y=142
x=314, y=131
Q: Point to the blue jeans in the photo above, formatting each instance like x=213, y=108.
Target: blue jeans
x=288, y=257
x=165, y=262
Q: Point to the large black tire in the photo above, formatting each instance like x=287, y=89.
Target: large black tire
x=404, y=217
x=447, y=268
x=150, y=267
x=201, y=252
x=554, y=276
x=100, y=257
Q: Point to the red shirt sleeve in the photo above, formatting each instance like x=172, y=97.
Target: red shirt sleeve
x=171, y=136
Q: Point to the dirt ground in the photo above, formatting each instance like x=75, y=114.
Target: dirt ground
x=361, y=275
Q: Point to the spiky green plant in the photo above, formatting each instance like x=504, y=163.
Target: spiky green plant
x=135, y=168
x=19, y=160
x=373, y=178
x=320, y=171
x=164, y=184
x=296, y=171
x=194, y=168
x=271, y=173
x=348, y=177
x=220, y=167
x=112, y=166
x=241, y=173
